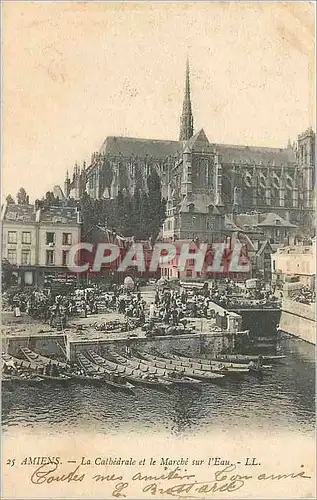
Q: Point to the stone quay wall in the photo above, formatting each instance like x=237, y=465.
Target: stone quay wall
x=194, y=344
x=45, y=344
x=299, y=320
x=54, y=345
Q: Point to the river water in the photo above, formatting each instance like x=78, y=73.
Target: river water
x=283, y=400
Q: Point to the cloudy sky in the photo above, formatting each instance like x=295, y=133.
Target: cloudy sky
x=74, y=73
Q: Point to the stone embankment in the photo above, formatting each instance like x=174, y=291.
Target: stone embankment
x=299, y=320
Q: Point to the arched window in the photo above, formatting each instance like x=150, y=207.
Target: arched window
x=289, y=192
x=261, y=195
x=275, y=191
x=227, y=190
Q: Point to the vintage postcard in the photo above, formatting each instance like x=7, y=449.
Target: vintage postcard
x=158, y=250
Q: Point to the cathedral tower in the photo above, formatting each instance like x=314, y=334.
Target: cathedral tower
x=186, y=121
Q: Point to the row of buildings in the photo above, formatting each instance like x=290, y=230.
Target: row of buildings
x=36, y=241
x=264, y=197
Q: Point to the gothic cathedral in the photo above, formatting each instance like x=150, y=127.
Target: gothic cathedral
x=202, y=180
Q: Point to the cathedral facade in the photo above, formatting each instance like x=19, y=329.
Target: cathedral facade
x=202, y=180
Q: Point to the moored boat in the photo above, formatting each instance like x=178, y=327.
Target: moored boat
x=137, y=377
x=85, y=379
x=44, y=360
x=176, y=378
x=8, y=380
x=180, y=380
x=204, y=360
x=214, y=367
x=60, y=379
x=113, y=380
x=227, y=367
x=75, y=376
x=256, y=366
x=37, y=368
x=170, y=367
x=244, y=358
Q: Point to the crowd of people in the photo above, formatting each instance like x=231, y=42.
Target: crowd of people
x=174, y=306
x=56, y=308
x=230, y=295
x=170, y=306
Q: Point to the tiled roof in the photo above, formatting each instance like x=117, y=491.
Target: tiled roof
x=199, y=142
x=250, y=220
x=64, y=215
x=272, y=220
x=28, y=213
x=128, y=146
x=255, y=155
x=230, y=153
x=20, y=213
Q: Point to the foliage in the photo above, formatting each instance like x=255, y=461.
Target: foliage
x=22, y=197
x=10, y=200
x=156, y=205
x=50, y=199
x=140, y=215
x=6, y=271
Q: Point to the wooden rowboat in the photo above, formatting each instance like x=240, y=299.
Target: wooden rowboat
x=170, y=367
x=204, y=367
x=41, y=360
x=111, y=380
x=32, y=366
x=44, y=360
x=137, y=377
x=244, y=358
x=176, y=378
x=225, y=364
x=8, y=380
x=201, y=360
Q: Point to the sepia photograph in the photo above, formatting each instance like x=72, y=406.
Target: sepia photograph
x=158, y=249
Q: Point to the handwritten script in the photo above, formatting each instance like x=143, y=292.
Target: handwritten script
x=173, y=483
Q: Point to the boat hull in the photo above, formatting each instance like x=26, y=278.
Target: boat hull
x=91, y=369
x=135, y=379
x=15, y=380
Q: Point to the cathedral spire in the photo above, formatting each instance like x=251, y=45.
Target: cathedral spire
x=186, y=121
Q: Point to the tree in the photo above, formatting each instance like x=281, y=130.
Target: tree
x=10, y=200
x=136, y=220
x=120, y=211
x=89, y=212
x=50, y=200
x=157, y=206
x=49, y=197
x=6, y=271
x=22, y=197
x=144, y=231
x=128, y=226
x=140, y=215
